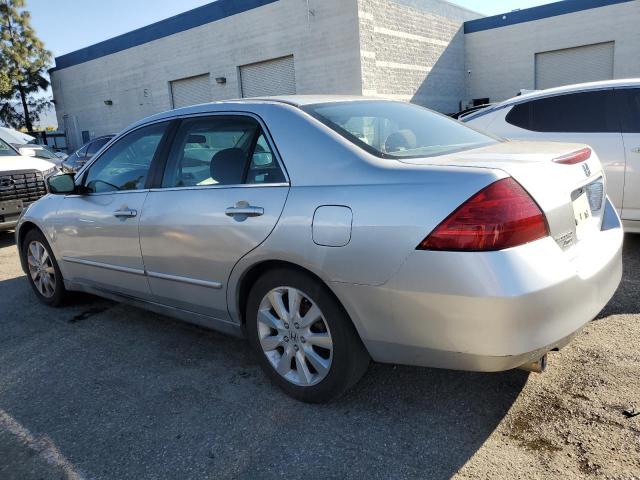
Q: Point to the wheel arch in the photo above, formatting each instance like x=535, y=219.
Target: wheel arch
x=255, y=271
x=23, y=229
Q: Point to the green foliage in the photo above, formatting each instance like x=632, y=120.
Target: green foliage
x=23, y=67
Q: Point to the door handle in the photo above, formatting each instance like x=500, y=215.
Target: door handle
x=125, y=213
x=246, y=210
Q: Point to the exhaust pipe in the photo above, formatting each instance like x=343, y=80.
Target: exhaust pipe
x=537, y=366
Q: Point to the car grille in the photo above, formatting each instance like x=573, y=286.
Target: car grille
x=26, y=186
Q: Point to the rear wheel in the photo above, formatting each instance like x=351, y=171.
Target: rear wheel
x=302, y=336
x=43, y=272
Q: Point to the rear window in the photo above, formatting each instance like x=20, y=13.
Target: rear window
x=585, y=112
x=397, y=130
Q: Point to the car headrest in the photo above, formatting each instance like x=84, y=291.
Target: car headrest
x=400, y=140
x=227, y=166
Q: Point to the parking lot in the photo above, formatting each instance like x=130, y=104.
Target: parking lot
x=101, y=390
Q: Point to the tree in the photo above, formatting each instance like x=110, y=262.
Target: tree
x=23, y=67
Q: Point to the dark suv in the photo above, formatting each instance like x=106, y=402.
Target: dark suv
x=77, y=159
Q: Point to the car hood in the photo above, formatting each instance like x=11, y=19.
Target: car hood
x=19, y=163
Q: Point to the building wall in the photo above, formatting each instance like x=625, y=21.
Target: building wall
x=501, y=61
x=413, y=50
x=322, y=35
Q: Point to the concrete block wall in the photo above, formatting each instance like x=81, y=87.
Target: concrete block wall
x=411, y=51
x=502, y=60
x=321, y=34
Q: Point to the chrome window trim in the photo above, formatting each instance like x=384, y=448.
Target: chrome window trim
x=187, y=280
x=219, y=187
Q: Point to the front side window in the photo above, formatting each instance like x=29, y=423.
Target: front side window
x=220, y=151
x=397, y=130
x=583, y=112
x=125, y=165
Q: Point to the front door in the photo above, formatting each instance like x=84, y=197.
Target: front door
x=98, y=231
x=629, y=105
x=222, y=193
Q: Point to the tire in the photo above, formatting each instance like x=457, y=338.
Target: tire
x=42, y=270
x=312, y=361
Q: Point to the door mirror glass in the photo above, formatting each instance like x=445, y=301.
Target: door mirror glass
x=27, y=152
x=62, y=184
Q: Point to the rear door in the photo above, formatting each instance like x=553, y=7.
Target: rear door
x=581, y=117
x=629, y=106
x=221, y=194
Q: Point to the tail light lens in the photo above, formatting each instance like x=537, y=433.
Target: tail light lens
x=574, y=157
x=502, y=215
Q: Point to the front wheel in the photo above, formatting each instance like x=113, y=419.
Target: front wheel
x=302, y=336
x=43, y=271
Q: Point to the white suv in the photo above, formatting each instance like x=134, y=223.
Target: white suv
x=22, y=182
x=605, y=115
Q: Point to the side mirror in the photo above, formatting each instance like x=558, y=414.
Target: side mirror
x=62, y=184
x=27, y=152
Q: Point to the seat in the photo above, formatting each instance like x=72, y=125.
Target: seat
x=227, y=166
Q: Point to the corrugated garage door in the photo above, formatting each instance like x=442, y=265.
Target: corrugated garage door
x=574, y=65
x=191, y=91
x=273, y=77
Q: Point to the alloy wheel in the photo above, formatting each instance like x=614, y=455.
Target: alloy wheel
x=41, y=269
x=294, y=336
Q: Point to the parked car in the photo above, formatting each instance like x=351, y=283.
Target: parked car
x=85, y=153
x=22, y=182
x=468, y=111
x=605, y=115
x=333, y=230
x=42, y=151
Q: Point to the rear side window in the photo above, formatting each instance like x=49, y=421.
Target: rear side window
x=220, y=150
x=572, y=113
x=629, y=107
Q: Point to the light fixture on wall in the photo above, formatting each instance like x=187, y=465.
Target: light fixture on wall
x=221, y=80
x=108, y=102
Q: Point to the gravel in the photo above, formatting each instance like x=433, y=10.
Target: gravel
x=102, y=390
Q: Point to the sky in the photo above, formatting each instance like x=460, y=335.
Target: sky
x=68, y=25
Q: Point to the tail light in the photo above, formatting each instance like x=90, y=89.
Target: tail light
x=574, y=157
x=502, y=215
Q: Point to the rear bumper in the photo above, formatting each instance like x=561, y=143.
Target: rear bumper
x=487, y=311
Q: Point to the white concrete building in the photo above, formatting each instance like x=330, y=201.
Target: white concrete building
x=430, y=52
x=233, y=48
x=552, y=45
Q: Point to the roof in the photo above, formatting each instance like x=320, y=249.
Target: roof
x=536, y=13
x=208, y=13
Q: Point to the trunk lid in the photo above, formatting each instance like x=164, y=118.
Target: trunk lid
x=571, y=196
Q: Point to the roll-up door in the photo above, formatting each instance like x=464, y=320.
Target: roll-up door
x=272, y=77
x=588, y=63
x=191, y=91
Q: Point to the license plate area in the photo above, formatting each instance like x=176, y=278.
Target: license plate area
x=583, y=216
x=11, y=207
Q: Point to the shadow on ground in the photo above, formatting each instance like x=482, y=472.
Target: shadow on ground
x=123, y=393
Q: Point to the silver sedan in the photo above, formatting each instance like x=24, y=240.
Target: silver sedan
x=334, y=230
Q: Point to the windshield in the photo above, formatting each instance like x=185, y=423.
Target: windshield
x=396, y=129
x=6, y=150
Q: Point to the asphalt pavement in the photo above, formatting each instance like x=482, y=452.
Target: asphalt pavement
x=98, y=390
